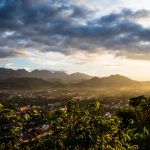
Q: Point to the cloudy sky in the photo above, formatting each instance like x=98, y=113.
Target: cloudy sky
x=98, y=37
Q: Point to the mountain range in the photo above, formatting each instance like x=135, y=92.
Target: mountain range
x=44, y=74
x=110, y=81
x=22, y=79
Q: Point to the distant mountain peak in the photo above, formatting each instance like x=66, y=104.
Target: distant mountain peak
x=79, y=73
x=118, y=76
x=78, y=77
x=21, y=69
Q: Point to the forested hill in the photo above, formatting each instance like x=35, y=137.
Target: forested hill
x=113, y=81
x=28, y=83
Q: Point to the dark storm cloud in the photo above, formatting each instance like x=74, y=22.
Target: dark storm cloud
x=6, y=52
x=62, y=26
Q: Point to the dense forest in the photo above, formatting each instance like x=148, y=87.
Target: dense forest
x=77, y=128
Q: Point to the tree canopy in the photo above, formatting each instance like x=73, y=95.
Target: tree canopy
x=76, y=128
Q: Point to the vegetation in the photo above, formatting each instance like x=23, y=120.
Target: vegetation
x=78, y=128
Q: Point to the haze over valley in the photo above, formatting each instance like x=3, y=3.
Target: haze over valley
x=24, y=79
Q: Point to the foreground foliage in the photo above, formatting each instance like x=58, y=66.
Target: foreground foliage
x=78, y=128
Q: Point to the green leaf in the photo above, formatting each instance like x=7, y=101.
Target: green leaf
x=146, y=132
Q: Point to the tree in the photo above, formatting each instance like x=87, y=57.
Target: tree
x=10, y=128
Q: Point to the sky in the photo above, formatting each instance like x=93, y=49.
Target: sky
x=98, y=37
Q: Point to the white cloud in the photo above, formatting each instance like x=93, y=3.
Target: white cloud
x=10, y=66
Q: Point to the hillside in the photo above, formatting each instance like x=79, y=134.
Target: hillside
x=27, y=83
x=79, y=77
x=113, y=81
